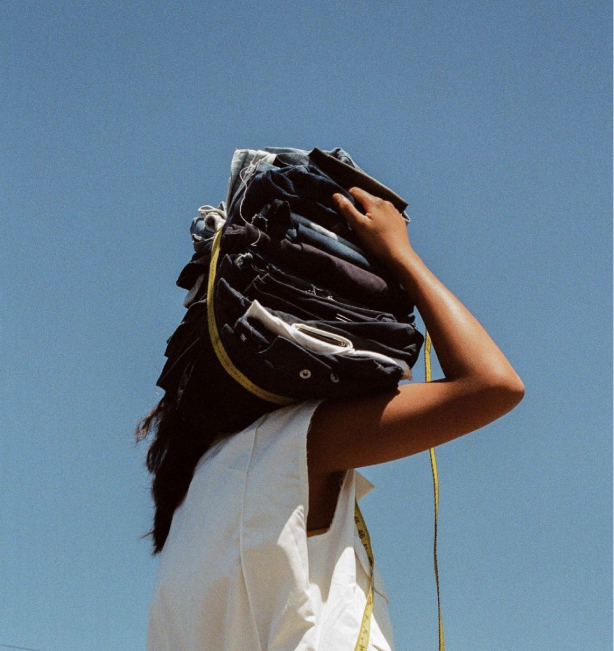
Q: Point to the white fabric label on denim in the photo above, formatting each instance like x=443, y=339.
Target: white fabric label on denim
x=316, y=339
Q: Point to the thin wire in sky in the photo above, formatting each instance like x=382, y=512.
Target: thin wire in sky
x=22, y=648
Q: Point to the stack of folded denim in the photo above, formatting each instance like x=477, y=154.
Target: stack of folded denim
x=283, y=304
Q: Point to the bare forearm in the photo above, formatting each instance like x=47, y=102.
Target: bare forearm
x=464, y=348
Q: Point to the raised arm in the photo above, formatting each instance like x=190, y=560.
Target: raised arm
x=479, y=385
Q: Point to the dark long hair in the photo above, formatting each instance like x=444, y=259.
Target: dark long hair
x=176, y=447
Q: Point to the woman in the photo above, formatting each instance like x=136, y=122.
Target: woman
x=262, y=552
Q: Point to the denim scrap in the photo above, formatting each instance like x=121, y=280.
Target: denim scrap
x=285, y=245
x=322, y=268
x=249, y=273
x=316, y=337
x=293, y=365
x=305, y=188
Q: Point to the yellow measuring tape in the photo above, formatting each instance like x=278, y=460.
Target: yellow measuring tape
x=218, y=347
x=362, y=643
x=427, y=377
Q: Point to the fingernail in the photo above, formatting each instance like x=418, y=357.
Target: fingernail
x=339, y=198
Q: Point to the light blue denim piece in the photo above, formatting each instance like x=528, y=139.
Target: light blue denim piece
x=246, y=162
x=303, y=221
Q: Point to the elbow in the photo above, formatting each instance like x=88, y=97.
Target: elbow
x=506, y=389
x=515, y=392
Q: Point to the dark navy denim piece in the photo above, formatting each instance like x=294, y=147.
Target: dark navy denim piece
x=193, y=376
x=339, y=166
x=348, y=177
x=198, y=266
x=234, y=205
x=321, y=268
x=290, y=368
x=204, y=390
x=208, y=396
x=305, y=188
x=277, y=221
x=297, y=372
x=270, y=158
x=244, y=270
x=395, y=340
x=367, y=329
x=181, y=345
x=389, y=337
x=333, y=247
x=306, y=180
x=269, y=289
x=292, y=156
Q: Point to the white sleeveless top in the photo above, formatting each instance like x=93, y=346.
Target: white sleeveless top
x=238, y=572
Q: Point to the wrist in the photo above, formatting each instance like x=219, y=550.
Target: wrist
x=400, y=258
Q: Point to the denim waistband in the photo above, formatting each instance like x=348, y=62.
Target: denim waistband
x=311, y=304
x=316, y=337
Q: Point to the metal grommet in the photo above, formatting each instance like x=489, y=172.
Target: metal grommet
x=335, y=378
x=305, y=374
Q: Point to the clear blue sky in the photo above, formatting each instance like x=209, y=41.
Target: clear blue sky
x=493, y=118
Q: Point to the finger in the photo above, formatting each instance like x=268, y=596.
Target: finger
x=363, y=197
x=347, y=208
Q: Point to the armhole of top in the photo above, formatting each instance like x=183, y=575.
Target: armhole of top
x=319, y=533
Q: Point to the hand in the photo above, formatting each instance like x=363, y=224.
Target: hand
x=382, y=230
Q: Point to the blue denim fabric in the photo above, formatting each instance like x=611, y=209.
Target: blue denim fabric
x=396, y=340
x=341, y=168
x=321, y=268
x=207, y=395
x=336, y=165
x=248, y=165
x=245, y=269
x=292, y=156
x=367, y=329
x=297, y=371
x=334, y=248
x=348, y=176
x=311, y=305
x=309, y=270
x=307, y=191
x=244, y=162
x=299, y=220
x=277, y=221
